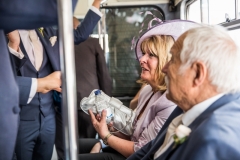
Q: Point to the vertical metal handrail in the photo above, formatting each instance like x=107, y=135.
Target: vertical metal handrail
x=201, y=10
x=69, y=110
x=104, y=32
x=236, y=9
x=183, y=13
x=204, y=11
x=184, y=8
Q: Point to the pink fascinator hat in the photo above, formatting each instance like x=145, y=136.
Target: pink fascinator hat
x=173, y=28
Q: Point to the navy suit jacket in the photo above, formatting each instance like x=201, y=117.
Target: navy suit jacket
x=9, y=108
x=80, y=34
x=147, y=152
x=17, y=14
x=28, y=14
x=215, y=133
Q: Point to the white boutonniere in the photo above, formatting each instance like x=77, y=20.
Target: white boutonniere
x=181, y=134
x=53, y=40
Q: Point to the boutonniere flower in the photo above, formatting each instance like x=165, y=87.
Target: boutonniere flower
x=181, y=134
x=53, y=40
x=41, y=30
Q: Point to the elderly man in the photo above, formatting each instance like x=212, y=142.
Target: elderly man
x=203, y=80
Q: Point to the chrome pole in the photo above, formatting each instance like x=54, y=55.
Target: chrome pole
x=69, y=110
x=236, y=10
x=183, y=13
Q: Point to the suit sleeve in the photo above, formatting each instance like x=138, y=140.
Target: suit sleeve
x=141, y=152
x=28, y=14
x=24, y=84
x=215, y=138
x=86, y=28
x=104, y=79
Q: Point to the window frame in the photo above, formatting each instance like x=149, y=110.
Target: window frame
x=103, y=34
x=185, y=12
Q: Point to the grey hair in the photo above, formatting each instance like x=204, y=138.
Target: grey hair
x=213, y=46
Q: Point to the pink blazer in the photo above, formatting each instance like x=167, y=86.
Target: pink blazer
x=153, y=118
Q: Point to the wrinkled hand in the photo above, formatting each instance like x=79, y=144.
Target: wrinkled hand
x=14, y=40
x=100, y=126
x=96, y=148
x=50, y=82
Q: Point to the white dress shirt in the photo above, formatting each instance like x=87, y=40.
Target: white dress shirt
x=187, y=118
x=94, y=9
x=24, y=34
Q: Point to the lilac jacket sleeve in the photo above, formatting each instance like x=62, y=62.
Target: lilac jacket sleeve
x=153, y=118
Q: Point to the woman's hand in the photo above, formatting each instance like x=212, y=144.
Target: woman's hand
x=98, y=117
x=110, y=127
x=100, y=125
x=115, y=132
x=96, y=148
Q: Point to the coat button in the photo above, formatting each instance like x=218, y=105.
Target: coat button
x=16, y=110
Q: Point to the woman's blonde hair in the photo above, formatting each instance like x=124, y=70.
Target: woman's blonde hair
x=160, y=46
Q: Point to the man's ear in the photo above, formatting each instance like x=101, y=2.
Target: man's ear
x=200, y=70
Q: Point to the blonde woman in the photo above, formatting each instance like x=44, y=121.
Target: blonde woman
x=153, y=107
x=152, y=110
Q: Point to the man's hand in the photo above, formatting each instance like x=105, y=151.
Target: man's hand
x=76, y=23
x=50, y=82
x=96, y=148
x=96, y=3
x=14, y=40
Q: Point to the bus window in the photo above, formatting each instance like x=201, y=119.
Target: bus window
x=194, y=12
x=212, y=11
x=122, y=24
x=221, y=11
x=235, y=35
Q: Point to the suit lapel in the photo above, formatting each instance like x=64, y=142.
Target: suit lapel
x=176, y=112
x=208, y=112
x=161, y=135
x=23, y=49
x=159, y=141
x=20, y=62
x=53, y=57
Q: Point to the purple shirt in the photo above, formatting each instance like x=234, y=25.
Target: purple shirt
x=154, y=116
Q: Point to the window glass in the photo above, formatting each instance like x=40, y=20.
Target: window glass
x=122, y=24
x=235, y=35
x=194, y=13
x=221, y=11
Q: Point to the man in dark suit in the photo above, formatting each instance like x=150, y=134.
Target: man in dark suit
x=91, y=73
x=81, y=33
x=16, y=15
x=207, y=93
x=37, y=112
